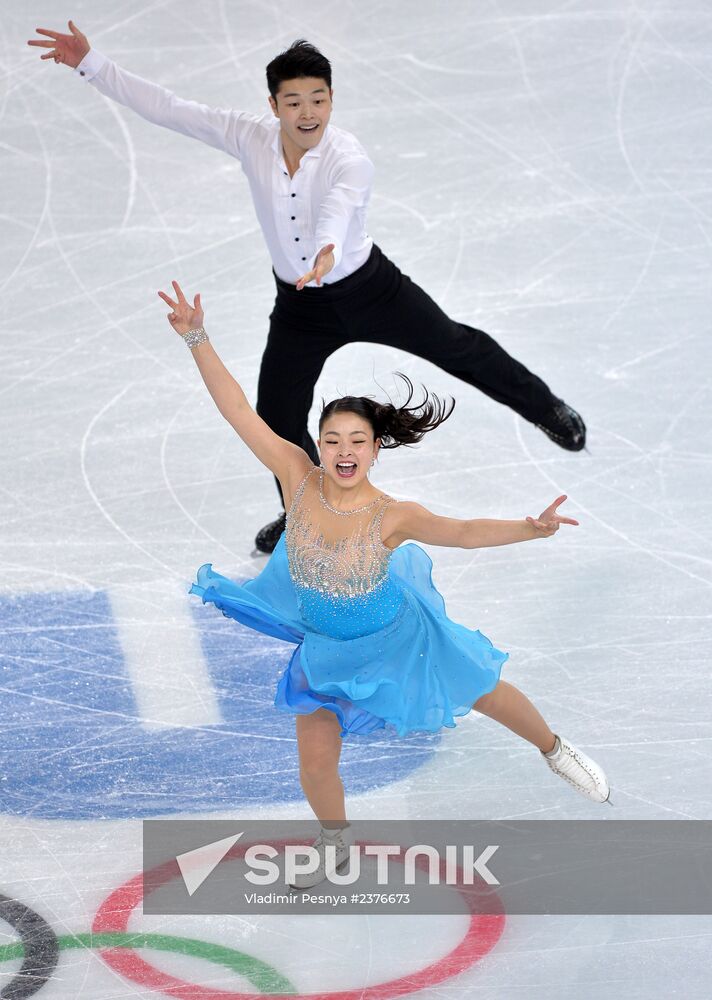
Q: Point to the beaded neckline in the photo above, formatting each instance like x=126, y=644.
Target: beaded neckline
x=343, y=513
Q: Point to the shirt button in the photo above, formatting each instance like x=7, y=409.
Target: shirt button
x=82, y=73
x=293, y=218
x=303, y=258
x=296, y=239
x=293, y=195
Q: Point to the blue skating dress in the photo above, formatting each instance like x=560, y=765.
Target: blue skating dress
x=373, y=642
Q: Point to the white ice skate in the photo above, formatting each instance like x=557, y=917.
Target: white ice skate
x=341, y=840
x=580, y=771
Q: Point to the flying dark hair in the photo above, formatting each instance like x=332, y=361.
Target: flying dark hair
x=394, y=425
x=299, y=60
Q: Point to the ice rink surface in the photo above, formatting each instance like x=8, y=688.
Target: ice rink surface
x=543, y=170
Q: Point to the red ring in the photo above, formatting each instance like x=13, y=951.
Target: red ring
x=114, y=913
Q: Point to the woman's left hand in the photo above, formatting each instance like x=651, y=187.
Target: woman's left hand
x=548, y=521
x=184, y=316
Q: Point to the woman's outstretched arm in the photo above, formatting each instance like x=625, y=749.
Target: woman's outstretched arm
x=408, y=520
x=286, y=460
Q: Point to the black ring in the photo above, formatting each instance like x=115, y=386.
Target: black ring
x=40, y=945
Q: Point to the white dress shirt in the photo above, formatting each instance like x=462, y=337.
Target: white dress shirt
x=324, y=202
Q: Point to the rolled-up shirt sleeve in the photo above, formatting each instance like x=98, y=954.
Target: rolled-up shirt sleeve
x=222, y=128
x=347, y=197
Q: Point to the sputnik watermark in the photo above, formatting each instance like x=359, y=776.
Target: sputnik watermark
x=299, y=860
x=429, y=866
x=460, y=864
x=196, y=865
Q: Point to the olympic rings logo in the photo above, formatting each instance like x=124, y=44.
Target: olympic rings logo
x=39, y=948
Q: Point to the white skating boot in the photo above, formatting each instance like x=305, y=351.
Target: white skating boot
x=341, y=839
x=580, y=771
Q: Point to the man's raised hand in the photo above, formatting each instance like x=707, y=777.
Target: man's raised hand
x=323, y=264
x=183, y=316
x=548, y=521
x=69, y=49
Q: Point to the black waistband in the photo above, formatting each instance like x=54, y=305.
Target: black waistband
x=334, y=289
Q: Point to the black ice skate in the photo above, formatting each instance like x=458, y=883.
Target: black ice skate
x=267, y=537
x=564, y=426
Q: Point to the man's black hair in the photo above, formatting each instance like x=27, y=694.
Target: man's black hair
x=299, y=60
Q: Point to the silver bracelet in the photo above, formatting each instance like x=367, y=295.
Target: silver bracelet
x=195, y=337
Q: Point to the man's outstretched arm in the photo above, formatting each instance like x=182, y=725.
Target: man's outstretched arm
x=348, y=195
x=222, y=128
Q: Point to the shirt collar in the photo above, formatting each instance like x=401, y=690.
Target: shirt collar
x=316, y=151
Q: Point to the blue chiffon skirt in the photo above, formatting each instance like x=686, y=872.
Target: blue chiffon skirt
x=389, y=658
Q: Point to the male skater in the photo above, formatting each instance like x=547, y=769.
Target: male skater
x=310, y=184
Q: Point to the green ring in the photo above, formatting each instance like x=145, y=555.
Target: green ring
x=262, y=976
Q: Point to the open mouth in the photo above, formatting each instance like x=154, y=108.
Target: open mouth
x=308, y=128
x=345, y=470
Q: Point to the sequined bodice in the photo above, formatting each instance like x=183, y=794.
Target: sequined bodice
x=338, y=562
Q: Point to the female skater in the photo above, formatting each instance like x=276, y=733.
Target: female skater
x=374, y=644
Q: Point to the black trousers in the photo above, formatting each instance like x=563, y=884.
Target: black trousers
x=377, y=304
